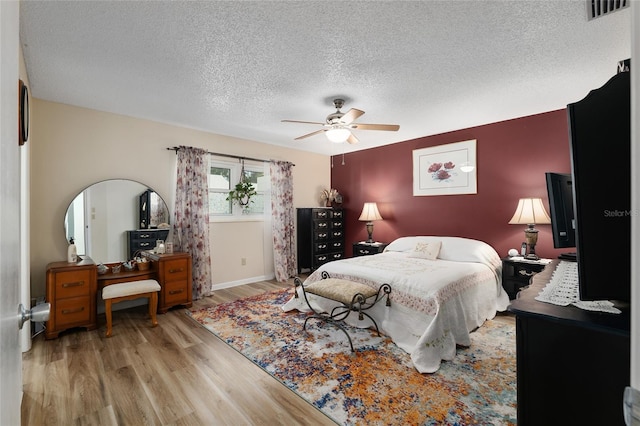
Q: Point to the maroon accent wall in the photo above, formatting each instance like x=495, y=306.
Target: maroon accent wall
x=512, y=157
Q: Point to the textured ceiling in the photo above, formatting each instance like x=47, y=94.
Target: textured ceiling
x=238, y=68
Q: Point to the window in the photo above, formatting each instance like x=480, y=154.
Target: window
x=223, y=177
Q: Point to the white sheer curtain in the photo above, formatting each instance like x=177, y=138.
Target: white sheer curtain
x=191, y=216
x=283, y=225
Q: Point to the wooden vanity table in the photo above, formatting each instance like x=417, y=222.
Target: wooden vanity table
x=73, y=288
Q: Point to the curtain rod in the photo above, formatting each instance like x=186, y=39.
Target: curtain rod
x=177, y=148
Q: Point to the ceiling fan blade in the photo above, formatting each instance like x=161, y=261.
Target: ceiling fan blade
x=303, y=122
x=352, y=139
x=351, y=115
x=389, y=127
x=310, y=134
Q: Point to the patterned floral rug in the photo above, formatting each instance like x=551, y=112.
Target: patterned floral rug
x=377, y=384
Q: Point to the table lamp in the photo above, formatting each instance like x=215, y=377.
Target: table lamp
x=530, y=211
x=370, y=213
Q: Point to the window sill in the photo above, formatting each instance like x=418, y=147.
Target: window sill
x=230, y=218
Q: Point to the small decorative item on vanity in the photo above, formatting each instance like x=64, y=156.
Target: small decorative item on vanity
x=143, y=264
x=72, y=254
x=169, y=247
x=102, y=269
x=160, y=247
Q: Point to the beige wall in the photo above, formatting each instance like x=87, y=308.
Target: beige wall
x=72, y=148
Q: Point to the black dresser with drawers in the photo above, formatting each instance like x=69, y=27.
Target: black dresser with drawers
x=144, y=239
x=320, y=236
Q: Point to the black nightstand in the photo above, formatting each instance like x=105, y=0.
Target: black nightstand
x=365, y=249
x=516, y=274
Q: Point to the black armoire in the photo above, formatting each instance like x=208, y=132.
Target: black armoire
x=600, y=136
x=573, y=364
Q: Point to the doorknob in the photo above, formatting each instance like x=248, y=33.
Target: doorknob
x=39, y=313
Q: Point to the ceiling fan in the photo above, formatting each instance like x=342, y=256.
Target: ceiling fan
x=338, y=125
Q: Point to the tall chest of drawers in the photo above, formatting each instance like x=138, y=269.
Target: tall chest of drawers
x=320, y=234
x=71, y=291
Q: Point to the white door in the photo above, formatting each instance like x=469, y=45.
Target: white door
x=10, y=352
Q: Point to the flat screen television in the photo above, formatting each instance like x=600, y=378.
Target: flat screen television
x=563, y=227
x=600, y=142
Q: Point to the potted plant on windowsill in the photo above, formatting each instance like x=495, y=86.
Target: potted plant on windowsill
x=242, y=194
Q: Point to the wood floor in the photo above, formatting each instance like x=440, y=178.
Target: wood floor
x=175, y=374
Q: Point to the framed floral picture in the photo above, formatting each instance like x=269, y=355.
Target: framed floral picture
x=445, y=169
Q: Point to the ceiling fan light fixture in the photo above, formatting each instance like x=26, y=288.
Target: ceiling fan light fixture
x=338, y=134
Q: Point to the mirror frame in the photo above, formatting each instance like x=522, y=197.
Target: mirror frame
x=107, y=213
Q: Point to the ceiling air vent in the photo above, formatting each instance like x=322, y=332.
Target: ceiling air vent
x=598, y=8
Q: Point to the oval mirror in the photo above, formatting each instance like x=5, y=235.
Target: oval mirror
x=99, y=217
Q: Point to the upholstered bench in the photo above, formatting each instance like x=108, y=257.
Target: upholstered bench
x=352, y=296
x=115, y=293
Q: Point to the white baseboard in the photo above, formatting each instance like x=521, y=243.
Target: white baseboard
x=229, y=284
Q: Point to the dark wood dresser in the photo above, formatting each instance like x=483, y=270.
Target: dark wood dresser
x=320, y=233
x=573, y=365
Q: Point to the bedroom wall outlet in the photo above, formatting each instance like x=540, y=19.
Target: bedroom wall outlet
x=243, y=261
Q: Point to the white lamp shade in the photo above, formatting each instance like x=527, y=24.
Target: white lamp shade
x=337, y=134
x=530, y=211
x=370, y=212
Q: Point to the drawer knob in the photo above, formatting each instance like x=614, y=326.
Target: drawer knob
x=75, y=284
x=525, y=273
x=173, y=271
x=176, y=291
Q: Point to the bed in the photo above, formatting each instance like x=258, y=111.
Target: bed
x=443, y=288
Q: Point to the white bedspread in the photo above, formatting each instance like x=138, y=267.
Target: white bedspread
x=435, y=303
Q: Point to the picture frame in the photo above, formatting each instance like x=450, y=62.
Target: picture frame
x=23, y=113
x=437, y=170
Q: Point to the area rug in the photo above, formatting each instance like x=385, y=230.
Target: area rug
x=377, y=384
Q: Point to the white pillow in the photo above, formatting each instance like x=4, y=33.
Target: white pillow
x=426, y=250
x=407, y=244
x=453, y=248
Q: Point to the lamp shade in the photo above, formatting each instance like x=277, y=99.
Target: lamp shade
x=530, y=211
x=370, y=212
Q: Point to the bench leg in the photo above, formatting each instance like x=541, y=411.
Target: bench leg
x=107, y=312
x=153, y=307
